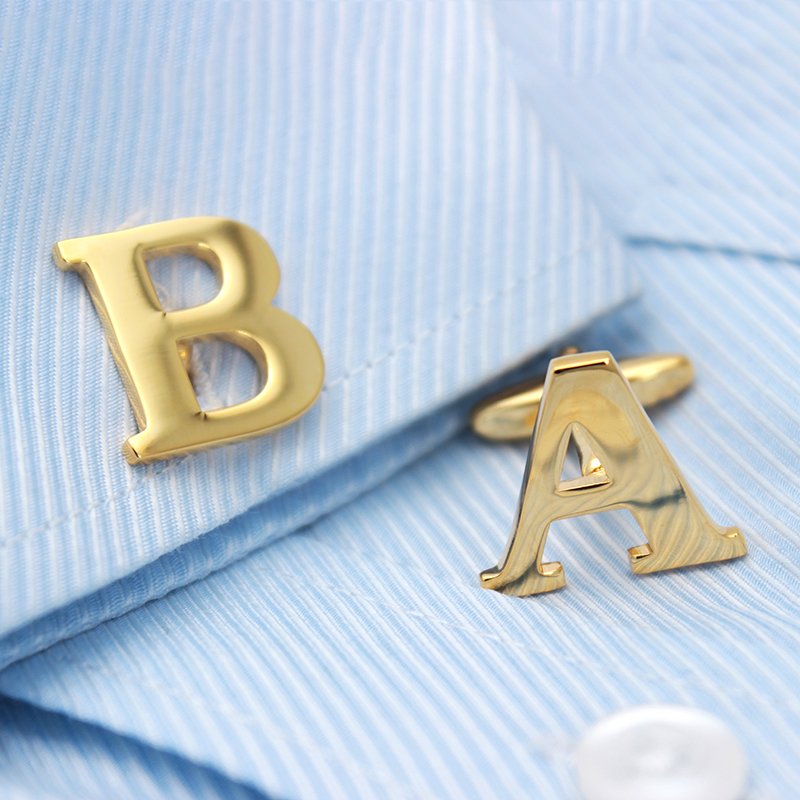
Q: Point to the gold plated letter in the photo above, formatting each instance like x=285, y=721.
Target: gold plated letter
x=147, y=341
x=624, y=464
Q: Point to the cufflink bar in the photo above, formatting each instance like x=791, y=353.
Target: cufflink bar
x=587, y=402
x=509, y=415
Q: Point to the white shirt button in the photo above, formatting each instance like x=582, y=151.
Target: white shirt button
x=661, y=753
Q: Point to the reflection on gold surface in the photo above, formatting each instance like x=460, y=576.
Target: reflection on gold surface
x=152, y=346
x=587, y=400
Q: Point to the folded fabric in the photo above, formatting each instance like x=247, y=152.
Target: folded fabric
x=681, y=119
x=360, y=657
x=44, y=756
x=405, y=162
x=426, y=258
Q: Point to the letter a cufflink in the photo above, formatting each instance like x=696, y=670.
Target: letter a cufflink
x=588, y=401
x=148, y=342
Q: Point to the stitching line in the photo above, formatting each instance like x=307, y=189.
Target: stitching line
x=170, y=466
x=234, y=714
x=299, y=581
x=312, y=510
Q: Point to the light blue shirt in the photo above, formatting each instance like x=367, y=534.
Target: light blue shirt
x=451, y=191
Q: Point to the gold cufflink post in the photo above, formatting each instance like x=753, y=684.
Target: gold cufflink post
x=588, y=401
x=509, y=415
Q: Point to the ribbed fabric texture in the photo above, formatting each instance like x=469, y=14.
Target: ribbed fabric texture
x=44, y=755
x=358, y=657
x=427, y=233
x=681, y=118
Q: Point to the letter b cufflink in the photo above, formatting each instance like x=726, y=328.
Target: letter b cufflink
x=587, y=400
x=148, y=342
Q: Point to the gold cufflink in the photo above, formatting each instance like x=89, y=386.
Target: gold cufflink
x=590, y=401
x=151, y=346
x=509, y=415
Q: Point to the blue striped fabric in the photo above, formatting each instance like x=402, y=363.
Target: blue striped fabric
x=44, y=756
x=418, y=215
x=360, y=658
x=398, y=157
x=681, y=118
